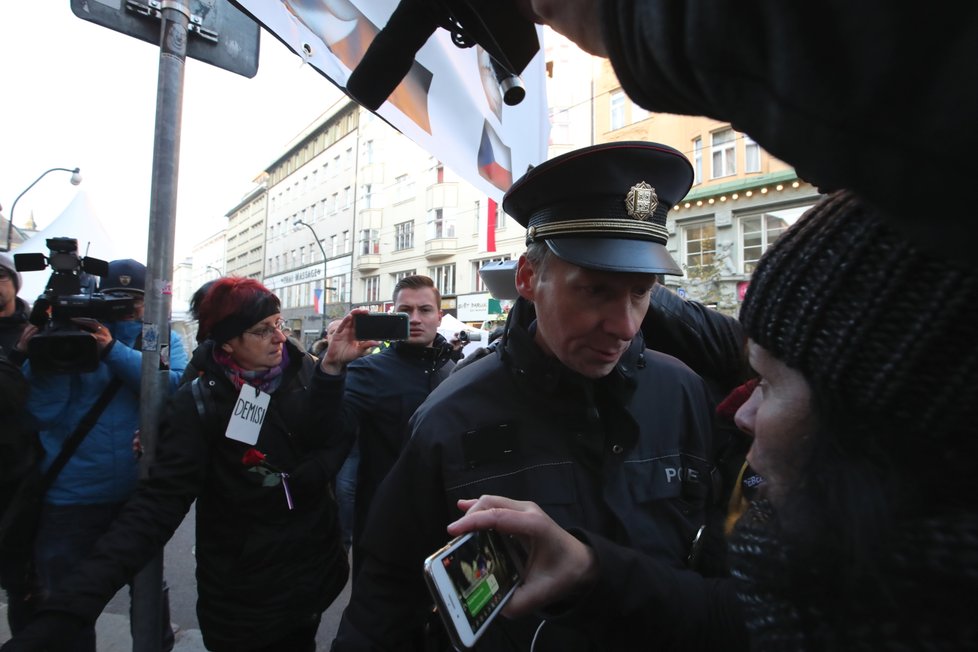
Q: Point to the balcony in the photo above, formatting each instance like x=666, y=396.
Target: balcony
x=438, y=248
x=368, y=262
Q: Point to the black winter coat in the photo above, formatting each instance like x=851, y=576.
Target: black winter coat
x=831, y=100
x=263, y=570
x=384, y=390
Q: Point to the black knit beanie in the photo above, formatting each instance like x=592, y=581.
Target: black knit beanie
x=884, y=333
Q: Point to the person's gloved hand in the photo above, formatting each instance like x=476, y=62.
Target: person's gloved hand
x=46, y=630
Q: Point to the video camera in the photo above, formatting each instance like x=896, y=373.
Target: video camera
x=60, y=345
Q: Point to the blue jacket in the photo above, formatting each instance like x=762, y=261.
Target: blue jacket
x=103, y=469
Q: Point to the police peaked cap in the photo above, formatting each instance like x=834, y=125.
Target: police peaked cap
x=604, y=207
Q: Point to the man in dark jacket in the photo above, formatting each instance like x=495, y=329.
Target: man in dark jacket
x=386, y=388
x=14, y=311
x=572, y=412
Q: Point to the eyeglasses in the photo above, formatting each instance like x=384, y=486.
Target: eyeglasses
x=6, y=276
x=266, y=332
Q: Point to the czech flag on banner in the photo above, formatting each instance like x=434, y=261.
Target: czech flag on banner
x=317, y=300
x=495, y=160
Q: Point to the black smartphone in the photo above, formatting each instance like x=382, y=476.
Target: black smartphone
x=471, y=579
x=381, y=326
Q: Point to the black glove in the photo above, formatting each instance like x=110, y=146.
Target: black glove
x=46, y=630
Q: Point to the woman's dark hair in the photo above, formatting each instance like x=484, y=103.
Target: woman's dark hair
x=232, y=305
x=194, y=308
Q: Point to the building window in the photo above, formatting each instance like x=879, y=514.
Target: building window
x=369, y=242
x=368, y=152
x=346, y=242
x=752, y=155
x=367, y=195
x=371, y=289
x=617, y=112
x=697, y=160
x=403, y=188
x=439, y=173
x=723, y=147
x=403, y=236
x=700, y=249
x=760, y=231
x=302, y=255
x=400, y=275
x=336, y=289
x=638, y=113
x=444, y=278
x=333, y=251
x=477, y=265
x=439, y=226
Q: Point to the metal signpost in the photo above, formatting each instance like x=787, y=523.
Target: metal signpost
x=214, y=32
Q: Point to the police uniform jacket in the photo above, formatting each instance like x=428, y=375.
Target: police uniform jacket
x=627, y=457
x=263, y=569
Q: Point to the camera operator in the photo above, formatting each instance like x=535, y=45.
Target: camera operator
x=98, y=478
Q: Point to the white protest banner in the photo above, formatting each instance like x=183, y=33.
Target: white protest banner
x=449, y=103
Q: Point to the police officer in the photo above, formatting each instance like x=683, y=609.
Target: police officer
x=572, y=412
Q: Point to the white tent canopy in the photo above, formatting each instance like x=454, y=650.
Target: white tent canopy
x=80, y=221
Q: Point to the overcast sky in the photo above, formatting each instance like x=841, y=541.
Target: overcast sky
x=75, y=94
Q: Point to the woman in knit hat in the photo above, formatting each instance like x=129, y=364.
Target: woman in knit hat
x=864, y=428
x=255, y=440
x=865, y=533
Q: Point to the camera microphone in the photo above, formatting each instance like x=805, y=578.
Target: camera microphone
x=391, y=54
x=508, y=37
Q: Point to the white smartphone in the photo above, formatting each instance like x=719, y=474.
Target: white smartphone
x=471, y=578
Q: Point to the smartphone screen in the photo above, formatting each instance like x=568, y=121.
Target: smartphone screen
x=472, y=578
x=381, y=326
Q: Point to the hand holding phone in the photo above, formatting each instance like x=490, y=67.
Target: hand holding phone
x=471, y=579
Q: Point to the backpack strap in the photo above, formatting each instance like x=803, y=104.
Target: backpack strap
x=200, y=389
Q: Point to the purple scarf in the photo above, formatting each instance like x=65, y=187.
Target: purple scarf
x=267, y=380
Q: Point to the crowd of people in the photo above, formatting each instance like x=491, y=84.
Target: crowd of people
x=794, y=479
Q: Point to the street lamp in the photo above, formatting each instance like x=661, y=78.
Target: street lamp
x=325, y=264
x=219, y=272
x=76, y=178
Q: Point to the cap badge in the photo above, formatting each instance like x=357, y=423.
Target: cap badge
x=124, y=280
x=641, y=201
